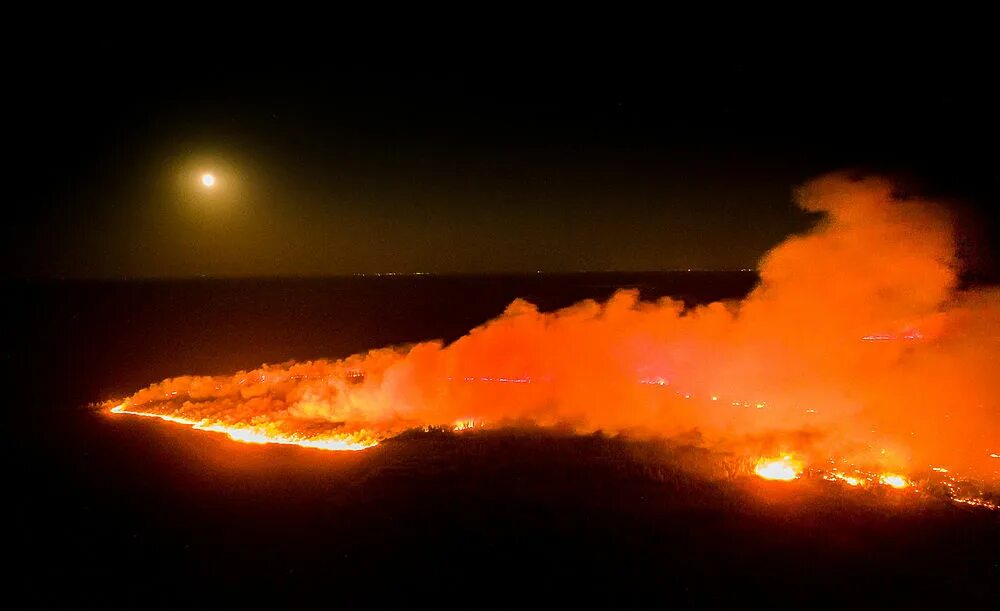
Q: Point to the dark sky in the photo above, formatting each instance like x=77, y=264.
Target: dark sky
x=337, y=162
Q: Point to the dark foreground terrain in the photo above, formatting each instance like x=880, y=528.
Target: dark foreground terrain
x=112, y=511
x=155, y=515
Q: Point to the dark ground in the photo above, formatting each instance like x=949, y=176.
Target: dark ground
x=115, y=511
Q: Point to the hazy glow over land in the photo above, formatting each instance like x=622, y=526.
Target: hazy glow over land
x=857, y=344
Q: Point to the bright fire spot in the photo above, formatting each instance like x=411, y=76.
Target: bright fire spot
x=896, y=481
x=463, y=425
x=263, y=434
x=785, y=468
x=208, y=180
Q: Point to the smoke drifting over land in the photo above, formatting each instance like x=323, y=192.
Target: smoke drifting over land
x=856, y=344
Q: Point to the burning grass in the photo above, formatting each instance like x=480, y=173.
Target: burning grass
x=857, y=360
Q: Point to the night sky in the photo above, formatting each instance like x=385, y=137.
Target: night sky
x=332, y=162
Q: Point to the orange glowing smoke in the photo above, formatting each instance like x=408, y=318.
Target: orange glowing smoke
x=856, y=343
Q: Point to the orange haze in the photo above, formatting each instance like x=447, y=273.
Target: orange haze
x=855, y=344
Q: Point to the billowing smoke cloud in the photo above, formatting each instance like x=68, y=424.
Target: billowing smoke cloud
x=856, y=339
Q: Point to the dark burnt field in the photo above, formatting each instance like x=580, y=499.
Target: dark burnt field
x=156, y=515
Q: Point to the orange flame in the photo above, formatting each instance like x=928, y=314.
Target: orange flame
x=895, y=480
x=784, y=468
x=264, y=434
x=466, y=424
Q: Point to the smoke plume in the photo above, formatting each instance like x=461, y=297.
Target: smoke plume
x=856, y=343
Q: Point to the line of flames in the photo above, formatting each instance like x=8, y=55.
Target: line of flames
x=360, y=440
x=786, y=467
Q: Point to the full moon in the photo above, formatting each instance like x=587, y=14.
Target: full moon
x=208, y=180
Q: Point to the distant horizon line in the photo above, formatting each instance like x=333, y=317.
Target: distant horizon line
x=127, y=278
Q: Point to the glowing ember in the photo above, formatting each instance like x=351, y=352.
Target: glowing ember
x=975, y=502
x=785, y=468
x=850, y=480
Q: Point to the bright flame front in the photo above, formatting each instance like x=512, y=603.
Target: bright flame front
x=785, y=468
x=261, y=434
x=894, y=480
